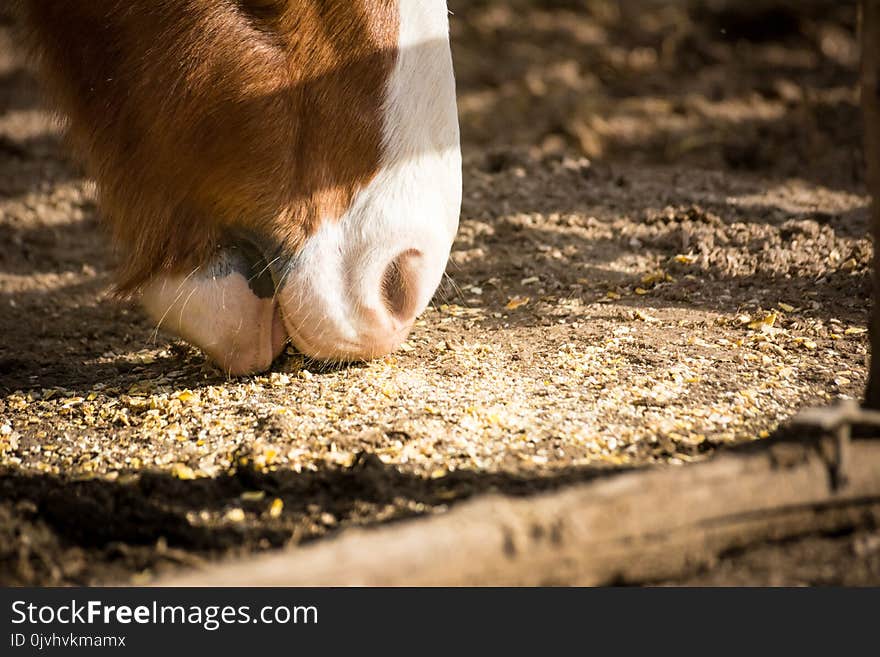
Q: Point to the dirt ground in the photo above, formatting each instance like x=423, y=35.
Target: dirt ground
x=662, y=252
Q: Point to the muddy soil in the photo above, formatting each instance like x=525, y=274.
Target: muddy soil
x=662, y=253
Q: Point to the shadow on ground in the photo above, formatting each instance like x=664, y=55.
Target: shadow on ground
x=55, y=530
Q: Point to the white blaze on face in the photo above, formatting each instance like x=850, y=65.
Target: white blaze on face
x=360, y=282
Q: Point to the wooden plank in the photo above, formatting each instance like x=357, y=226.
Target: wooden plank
x=870, y=39
x=638, y=526
x=831, y=418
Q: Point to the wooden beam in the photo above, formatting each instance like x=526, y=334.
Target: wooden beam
x=639, y=526
x=870, y=77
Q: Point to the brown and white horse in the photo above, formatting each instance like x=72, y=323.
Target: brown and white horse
x=271, y=170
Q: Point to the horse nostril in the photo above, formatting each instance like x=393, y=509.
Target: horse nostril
x=400, y=285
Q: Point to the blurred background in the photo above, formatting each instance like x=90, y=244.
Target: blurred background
x=760, y=85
